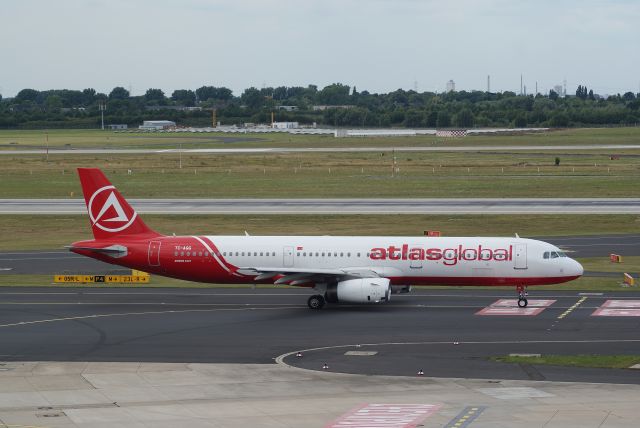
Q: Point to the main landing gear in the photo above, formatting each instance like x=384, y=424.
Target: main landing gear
x=522, y=296
x=316, y=301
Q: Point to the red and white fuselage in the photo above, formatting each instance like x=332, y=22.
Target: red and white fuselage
x=360, y=263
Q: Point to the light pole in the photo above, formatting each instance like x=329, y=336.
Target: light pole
x=102, y=108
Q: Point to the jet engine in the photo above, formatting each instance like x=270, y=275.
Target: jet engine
x=361, y=290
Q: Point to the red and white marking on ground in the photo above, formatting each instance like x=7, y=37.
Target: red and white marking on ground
x=385, y=415
x=621, y=304
x=510, y=307
x=618, y=308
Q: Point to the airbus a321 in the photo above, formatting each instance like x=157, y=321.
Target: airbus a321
x=341, y=269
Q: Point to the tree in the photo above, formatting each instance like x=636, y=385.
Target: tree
x=553, y=95
x=184, y=97
x=432, y=119
x=118, y=93
x=88, y=96
x=252, y=98
x=559, y=120
x=336, y=94
x=520, y=121
x=205, y=93
x=27, y=95
x=444, y=120
x=414, y=118
x=154, y=96
x=53, y=103
x=464, y=118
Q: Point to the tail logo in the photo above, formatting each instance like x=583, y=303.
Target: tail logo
x=107, y=212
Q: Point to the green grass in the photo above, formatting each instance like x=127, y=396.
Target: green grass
x=10, y=140
x=26, y=232
x=603, y=264
x=441, y=174
x=599, y=361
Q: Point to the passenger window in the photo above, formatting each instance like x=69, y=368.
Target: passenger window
x=182, y=253
x=260, y=253
x=175, y=253
x=199, y=253
x=348, y=254
x=358, y=254
x=341, y=254
x=206, y=254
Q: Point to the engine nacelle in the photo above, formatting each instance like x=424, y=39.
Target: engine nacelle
x=361, y=290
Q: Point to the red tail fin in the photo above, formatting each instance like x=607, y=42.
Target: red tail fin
x=109, y=212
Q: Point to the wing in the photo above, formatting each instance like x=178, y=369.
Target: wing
x=304, y=276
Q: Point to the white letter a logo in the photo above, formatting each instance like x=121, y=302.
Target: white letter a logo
x=112, y=201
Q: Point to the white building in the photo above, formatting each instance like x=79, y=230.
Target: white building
x=285, y=125
x=157, y=124
x=451, y=86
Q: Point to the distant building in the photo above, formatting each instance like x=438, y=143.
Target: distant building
x=178, y=108
x=285, y=125
x=157, y=124
x=118, y=126
x=451, y=86
x=325, y=107
x=287, y=108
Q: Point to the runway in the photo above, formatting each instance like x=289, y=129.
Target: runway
x=265, y=150
x=341, y=206
x=438, y=331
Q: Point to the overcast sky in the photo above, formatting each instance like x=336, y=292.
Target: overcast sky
x=377, y=45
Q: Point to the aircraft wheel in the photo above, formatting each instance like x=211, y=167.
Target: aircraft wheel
x=522, y=302
x=316, y=301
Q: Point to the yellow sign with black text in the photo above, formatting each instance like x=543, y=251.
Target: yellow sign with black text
x=97, y=279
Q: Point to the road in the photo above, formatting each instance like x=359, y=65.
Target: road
x=442, y=148
x=438, y=331
x=341, y=206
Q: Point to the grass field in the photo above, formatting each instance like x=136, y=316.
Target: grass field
x=10, y=140
x=437, y=174
x=599, y=361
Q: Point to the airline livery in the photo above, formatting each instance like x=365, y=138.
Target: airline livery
x=348, y=269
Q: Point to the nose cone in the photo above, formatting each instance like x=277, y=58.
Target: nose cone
x=577, y=268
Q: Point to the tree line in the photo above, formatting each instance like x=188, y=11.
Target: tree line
x=334, y=105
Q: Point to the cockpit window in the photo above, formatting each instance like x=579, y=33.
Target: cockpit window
x=553, y=254
x=562, y=254
x=546, y=255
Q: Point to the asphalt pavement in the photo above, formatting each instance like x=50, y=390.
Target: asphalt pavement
x=437, y=331
x=341, y=206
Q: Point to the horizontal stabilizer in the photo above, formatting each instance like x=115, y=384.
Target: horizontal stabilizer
x=114, y=251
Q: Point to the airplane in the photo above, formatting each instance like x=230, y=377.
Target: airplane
x=340, y=269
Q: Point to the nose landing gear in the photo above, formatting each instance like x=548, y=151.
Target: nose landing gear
x=522, y=296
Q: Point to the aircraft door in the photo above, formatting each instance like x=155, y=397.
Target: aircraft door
x=153, y=255
x=520, y=256
x=287, y=256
